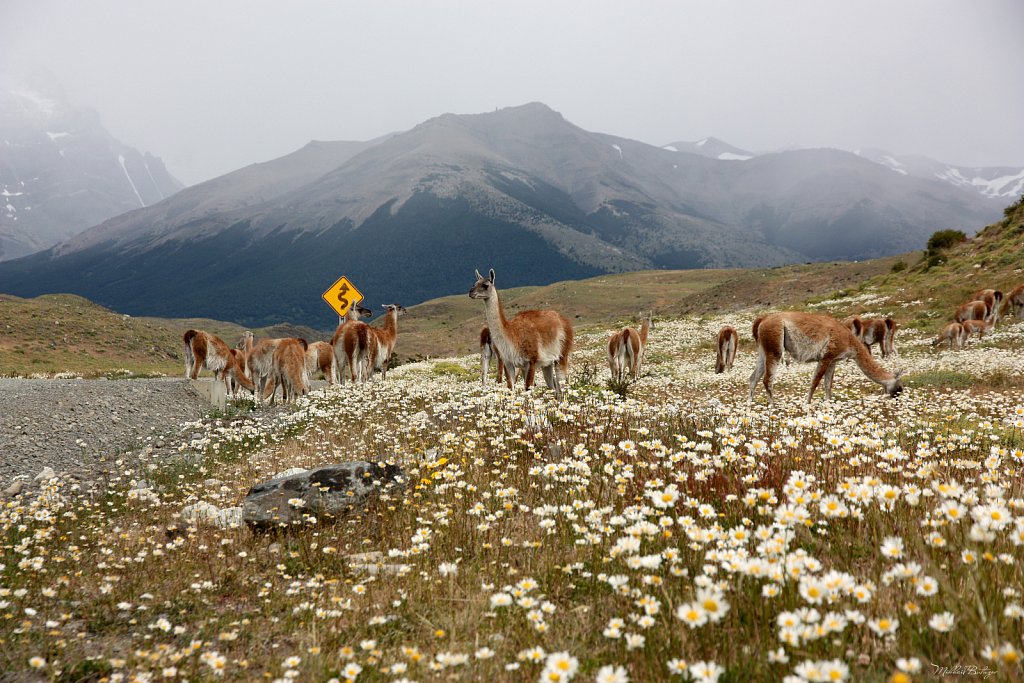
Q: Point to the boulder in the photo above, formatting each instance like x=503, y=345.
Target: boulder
x=14, y=489
x=323, y=494
x=45, y=475
x=206, y=514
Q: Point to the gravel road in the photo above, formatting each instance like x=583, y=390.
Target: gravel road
x=70, y=424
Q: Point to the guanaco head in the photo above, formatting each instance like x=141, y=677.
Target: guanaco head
x=398, y=310
x=246, y=339
x=483, y=287
x=894, y=387
x=363, y=311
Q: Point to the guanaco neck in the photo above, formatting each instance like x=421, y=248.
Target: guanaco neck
x=389, y=329
x=494, y=312
x=644, y=330
x=871, y=369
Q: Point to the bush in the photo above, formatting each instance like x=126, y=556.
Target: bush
x=899, y=266
x=933, y=260
x=943, y=239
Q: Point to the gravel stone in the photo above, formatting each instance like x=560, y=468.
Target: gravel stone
x=72, y=426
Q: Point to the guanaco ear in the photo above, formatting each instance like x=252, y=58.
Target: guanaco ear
x=478, y=275
x=492, y=276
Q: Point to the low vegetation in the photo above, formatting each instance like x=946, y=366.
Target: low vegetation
x=64, y=333
x=670, y=531
x=638, y=532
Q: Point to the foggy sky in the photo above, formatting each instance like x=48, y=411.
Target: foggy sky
x=213, y=86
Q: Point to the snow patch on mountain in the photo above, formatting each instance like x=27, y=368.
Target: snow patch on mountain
x=1002, y=186
x=149, y=172
x=894, y=165
x=997, y=182
x=30, y=99
x=120, y=160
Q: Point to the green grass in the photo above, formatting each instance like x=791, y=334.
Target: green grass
x=57, y=333
x=947, y=379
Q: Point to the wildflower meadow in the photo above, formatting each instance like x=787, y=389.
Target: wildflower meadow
x=666, y=531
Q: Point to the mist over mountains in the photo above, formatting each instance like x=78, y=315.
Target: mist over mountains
x=409, y=216
x=61, y=172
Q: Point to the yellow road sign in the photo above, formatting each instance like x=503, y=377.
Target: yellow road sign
x=342, y=295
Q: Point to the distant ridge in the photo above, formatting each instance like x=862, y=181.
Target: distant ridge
x=712, y=148
x=521, y=189
x=61, y=172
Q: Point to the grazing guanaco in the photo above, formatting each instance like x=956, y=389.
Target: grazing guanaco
x=369, y=348
x=340, y=359
x=203, y=349
x=320, y=358
x=954, y=334
x=881, y=331
x=728, y=341
x=972, y=310
x=981, y=327
x=289, y=363
x=530, y=340
x=813, y=337
x=237, y=365
x=260, y=365
x=626, y=349
x=993, y=298
x=1015, y=301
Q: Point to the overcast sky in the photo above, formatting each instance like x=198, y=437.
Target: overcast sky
x=210, y=86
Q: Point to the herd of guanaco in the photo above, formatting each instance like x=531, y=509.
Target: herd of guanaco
x=543, y=339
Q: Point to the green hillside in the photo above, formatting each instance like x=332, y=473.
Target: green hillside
x=57, y=333
x=926, y=293
x=66, y=333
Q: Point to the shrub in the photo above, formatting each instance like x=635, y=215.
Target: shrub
x=620, y=386
x=943, y=239
x=899, y=266
x=932, y=260
x=585, y=375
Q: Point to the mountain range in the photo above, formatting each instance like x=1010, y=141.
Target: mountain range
x=409, y=217
x=61, y=172
x=998, y=182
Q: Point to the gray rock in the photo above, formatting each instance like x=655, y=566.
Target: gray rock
x=207, y=514
x=289, y=472
x=45, y=475
x=14, y=489
x=327, y=493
